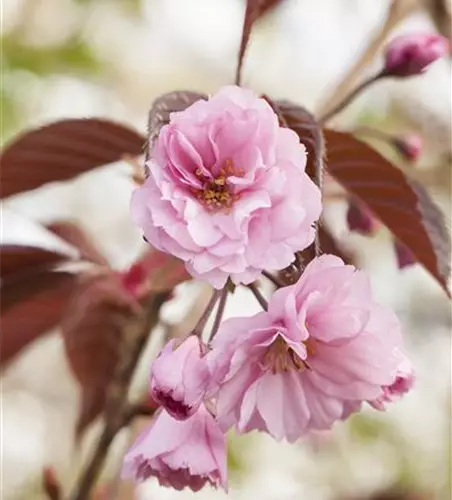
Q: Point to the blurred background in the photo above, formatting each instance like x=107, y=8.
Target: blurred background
x=111, y=58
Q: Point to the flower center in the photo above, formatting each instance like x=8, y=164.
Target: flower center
x=215, y=194
x=279, y=356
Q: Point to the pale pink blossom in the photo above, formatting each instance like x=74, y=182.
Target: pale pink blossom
x=324, y=347
x=409, y=55
x=189, y=453
x=402, y=383
x=227, y=190
x=180, y=377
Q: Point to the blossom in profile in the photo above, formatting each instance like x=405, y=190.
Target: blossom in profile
x=409, y=55
x=323, y=348
x=189, y=453
x=180, y=377
x=227, y=190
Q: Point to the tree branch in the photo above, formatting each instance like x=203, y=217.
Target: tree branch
x=117, y=408
x=259, y=297
x=398, y=10
x=440, y=12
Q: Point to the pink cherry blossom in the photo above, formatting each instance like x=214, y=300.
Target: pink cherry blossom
x=409, y=55
x=189, y=453
x=180, y=377
x=227, y=190
x=402, y=383
x=324, y=347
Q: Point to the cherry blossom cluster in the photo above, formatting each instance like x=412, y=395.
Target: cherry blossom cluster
x=227, y=193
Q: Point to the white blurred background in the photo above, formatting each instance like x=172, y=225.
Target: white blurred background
x=111, y=58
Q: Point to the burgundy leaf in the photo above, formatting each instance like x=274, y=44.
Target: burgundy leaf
x=18, y=259
x=63, y=150
x=30, y=307
x=401, y=204
x=163, y=271
x=75, y=236
x=255, y=9
x=301, y=121
x=161, y=109
x=93, y=328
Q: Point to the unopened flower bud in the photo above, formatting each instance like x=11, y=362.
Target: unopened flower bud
x=180, y=377
x=359, y=219
x=409, y=55
x=409, y=146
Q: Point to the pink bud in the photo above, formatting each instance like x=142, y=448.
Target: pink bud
x=409, y=55
x=404, y=255
x=360, y=219
x=403, y=383
x=180, y=377
x=189, y=454
x=409, y=146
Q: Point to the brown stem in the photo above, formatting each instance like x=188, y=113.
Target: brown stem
x=138, y=410
x=259, y=297
x=349, y=98
x=134, y=341
x=440, y=12
x=276, y=281
x=220, y=311
x=399, y=10
x=206, y=314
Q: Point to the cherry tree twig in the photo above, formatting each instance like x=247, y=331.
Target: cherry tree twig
x=276, y=281
x=259, y=297
x=398, y=10
x=206, y=314
x=117, y=407
x=220, y=311
x=350, y=97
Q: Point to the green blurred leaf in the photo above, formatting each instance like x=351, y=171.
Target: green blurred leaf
x=73, y=56
x=366, y=428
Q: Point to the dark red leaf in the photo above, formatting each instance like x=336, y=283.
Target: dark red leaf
x=401, y=204
x=30, y=307
x=17, y=259
x=62, y=150
x=163, y=271
x=93, y=328
x=255, y=9
x=301, y=121
x=75, y=236
x=161, y=109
